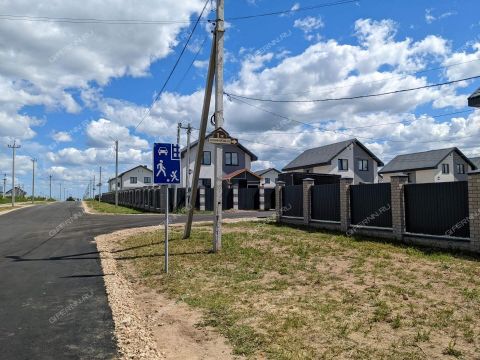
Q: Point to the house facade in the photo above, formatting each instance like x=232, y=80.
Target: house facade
x=269, y=177
x=349, y=159
x=442, y=165
x=139, y=176
x=235, y=158
x=19, y=192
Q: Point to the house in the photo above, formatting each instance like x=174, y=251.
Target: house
x=235, y=157
x=349, y=159
x=19, y=192
x=269, y=177
x=474, y=99
x=243, y=178
x=476, y=162
x=430, y=166
x=139, y=176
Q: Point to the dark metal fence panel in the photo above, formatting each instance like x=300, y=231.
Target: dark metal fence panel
x=293, y=200
x=370, y=205
x=269, y=196
x=437, y=208
x=227, y=202
x=248, y=198
x=326, y=202
x=209, y=199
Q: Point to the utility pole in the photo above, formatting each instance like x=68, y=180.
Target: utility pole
x=4, y=185
x=33, y=179
x=100, y=186
x=187, y=167
x=64, y=193
x=14, y=147
x=201, y=139
x=116, y=173
x=50, y=197
x=175, y=187
x=219, y=33
x=94, y=187
x=60, y=191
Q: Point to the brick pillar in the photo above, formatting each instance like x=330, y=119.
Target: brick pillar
x=345, y=214
x=261, y=195
x=474, y=209
x=279, y=200
x=235, y=197
x=307, y=200
x=202, y=198
x=398, y=205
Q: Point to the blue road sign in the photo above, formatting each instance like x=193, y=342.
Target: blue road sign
x=166, y=164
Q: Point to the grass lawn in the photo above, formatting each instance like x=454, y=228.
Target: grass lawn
x=103, y=207
x=287, y=293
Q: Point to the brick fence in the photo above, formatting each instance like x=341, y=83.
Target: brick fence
x=398, y=231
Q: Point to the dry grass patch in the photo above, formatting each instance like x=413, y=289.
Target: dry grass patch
x=285, y=293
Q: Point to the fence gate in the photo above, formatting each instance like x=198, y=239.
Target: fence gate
x=248, y=198
x=437, y=208
x=326, y=202
x=293, y=200
x=269, y=196
x=370, y=205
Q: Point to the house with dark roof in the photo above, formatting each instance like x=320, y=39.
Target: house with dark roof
x=235, y=157
x=19, y=192
x=474, y=99
x=476, y=162
x=139, y=176
x=440, y=165
x=349, y=159
x=269, y=177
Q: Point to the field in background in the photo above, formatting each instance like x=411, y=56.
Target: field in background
x=284, y=293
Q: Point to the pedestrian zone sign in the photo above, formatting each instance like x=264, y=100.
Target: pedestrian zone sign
x=166, y=164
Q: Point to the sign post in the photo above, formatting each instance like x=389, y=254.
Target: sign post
x=166, y=171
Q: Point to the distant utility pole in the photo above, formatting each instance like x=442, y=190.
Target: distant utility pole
x=219, y=32
x=100, y=186
x=50, y=197
x=187, y=174
x=94, y=189
x=33, y=179
x=14, y=147
x=64, y=193
x=60, y=195
x=175, y=187
x=116, y=173
x=4, y=185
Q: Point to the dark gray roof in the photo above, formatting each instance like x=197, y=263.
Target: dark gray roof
x=421, y=160
x=264, y=171
x=476, y=161
x=324, y=154
x=474, y=99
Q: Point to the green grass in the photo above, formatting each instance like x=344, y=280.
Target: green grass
x=287, y=293
x=105, y=208
x=22, y=199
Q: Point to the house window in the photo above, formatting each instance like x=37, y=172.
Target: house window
x=460, y=169
x=207, y=158
x=205, y=183
x=147, y=180
x=363, y=165
x=231, y=159
x=267, y=180
x=445, y=169
x=343, y=164
x=410, y=177
x=133, y=180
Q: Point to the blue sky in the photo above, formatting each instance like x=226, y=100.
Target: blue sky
x=66, y=88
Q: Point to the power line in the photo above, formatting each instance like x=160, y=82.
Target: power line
x=174, y=67
x=355, y=97
x=15, y=17
x=191, y=64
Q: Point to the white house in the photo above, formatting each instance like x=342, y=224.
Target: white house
x=139, y=176
x=350, y=159
x=235, y=158
x=269, y=177
x=440, y=165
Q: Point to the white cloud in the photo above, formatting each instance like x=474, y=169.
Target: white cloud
x=102, y=133
x=309, y=24
x=430, y=18
x=61, y=136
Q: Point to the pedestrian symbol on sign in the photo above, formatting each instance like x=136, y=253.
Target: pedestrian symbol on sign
x=166, y=162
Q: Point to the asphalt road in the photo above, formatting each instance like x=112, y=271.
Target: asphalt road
x=53, y=303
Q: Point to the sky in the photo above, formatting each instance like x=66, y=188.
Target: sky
x=68, y=88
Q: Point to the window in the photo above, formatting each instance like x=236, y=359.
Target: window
x=343, y=164
x=147, y=180
x=267, y=180
x=207, y=158
x=445, y=169
x=460, y=169
x=231, y=159
x=205, y=183
x=133, y=180
x=363, y=165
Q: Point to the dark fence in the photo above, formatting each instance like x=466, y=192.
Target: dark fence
x=326, y=202
x=437, y=208
x=227, y=202
x=248, y=199
x=292, y=200
x=269, y=196
x=370, y=205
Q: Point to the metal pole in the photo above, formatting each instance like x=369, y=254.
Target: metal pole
x=94, y=187
x=166, y=228
x=4, y=185
x=201, y=140
x=60, y=191
x=175, y=195
x=14, y=147
x=100, y=186
x=50, y=197
x=116, y=173
x=219, y=32
x=187, y=175
x=33, y=180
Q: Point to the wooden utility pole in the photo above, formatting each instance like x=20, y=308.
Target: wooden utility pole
x=175, y=187
x=33, y=179
x=100, y=186
x=187, y=175
x=201, y=139
x=219, y=32
x=14, y=147
x=116, y=173
x=4, y=185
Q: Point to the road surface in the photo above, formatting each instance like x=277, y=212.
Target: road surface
x=53, y=303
